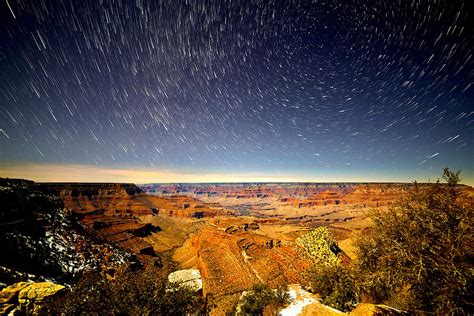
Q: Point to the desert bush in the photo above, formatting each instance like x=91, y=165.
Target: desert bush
x=332, y=280
x=417, y=256
x=255, y=302
x=424, y=247
x=320, y=246
x=336, y=285
x=282, y=295
x=142, y=292
x=262, y=298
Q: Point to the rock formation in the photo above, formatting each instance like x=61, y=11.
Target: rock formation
x=27, y=298
x=190, y=278
x=40, y=238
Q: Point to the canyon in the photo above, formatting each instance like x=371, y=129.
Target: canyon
x=235, y=235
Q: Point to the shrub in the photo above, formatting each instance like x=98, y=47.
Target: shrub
x=261, y=297
x=282, y=295
x=328, y=277
x=320, y=246
x=256, y=300
x=140, y=292
x=336, y=286
x=423, y=247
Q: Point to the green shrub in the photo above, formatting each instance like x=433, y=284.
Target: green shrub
x=261, y=297
x=336, y=286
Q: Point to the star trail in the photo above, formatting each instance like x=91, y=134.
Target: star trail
x=368, y=89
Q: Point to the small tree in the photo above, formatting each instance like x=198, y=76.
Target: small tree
x=262, y=298
x=422, y=249
x=336, y=286
x=255, y=302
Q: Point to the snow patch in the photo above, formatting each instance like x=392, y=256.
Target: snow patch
x=299, y=299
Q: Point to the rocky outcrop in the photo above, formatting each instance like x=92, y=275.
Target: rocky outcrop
x=247, y=226
x=27, y=298
x=110, y=211
x=243, y=227
x=272, y=243
x=230, y=263
x=114, y=212
x=41, y=239
x=190, y=278
x=184, y=206
x=366, y=309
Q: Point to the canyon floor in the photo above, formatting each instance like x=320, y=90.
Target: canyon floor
x=236, y=235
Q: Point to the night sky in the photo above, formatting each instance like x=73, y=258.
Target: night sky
x=310, y=90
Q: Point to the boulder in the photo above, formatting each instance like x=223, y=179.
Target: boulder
x=190, y=278
x=9, y=297
x=27, y=298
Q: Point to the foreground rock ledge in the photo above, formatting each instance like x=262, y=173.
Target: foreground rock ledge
x=26, y=297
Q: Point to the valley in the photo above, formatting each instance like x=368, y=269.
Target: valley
x=235, y=235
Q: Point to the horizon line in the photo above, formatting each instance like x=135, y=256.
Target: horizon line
x=230, y=182
x=76, y=173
